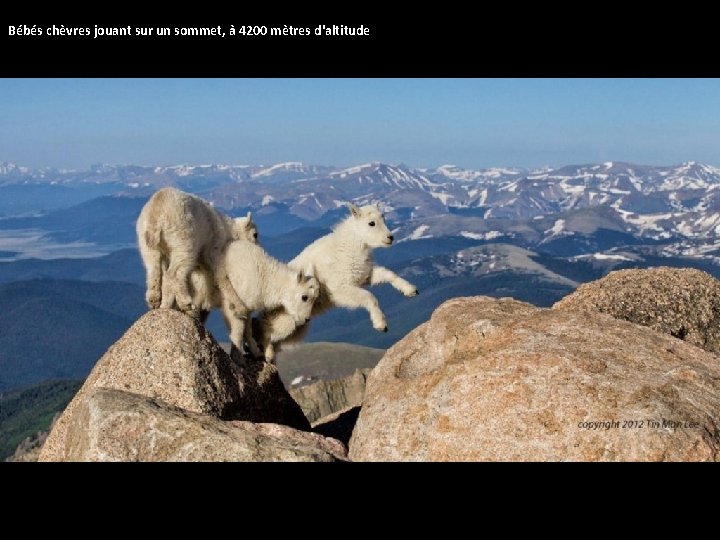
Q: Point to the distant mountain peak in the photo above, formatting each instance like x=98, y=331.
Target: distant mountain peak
x=292, y=166
x=656, y=202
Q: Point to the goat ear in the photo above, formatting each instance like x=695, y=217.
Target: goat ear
x=354, y=210
x=249, y=218
x=300, y=277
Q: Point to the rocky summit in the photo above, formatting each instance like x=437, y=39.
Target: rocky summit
x=111, y=425
x=682, y=302
x=616, y=371
x=489, y=379
x=168, y=357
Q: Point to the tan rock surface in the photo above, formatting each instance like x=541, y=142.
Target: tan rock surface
x=111, y=425
x=323, y=398
x=682, y=302
x=489, y=379
x=168, y=356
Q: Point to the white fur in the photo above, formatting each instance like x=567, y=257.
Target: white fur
x=178, y=232
x=343, y=264
x=256, y=281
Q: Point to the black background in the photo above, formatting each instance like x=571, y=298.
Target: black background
x=505, y=41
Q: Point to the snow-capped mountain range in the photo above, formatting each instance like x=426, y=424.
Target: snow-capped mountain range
x=676, y=207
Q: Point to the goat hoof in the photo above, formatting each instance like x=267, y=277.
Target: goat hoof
x=385, y=329
x=153, y=301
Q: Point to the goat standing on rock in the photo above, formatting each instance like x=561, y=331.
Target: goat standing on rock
x=176, y=233
x=198, y=259
x=343, y=264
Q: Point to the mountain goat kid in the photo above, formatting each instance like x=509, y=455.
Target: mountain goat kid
x=176, y=233
x=257, y=281
x=343, y=264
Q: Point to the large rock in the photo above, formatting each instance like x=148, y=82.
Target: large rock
x=111, y=425
x=324, y=398
x=166, y=355
x=489, y=379
x=682, y=302
x=333, y=406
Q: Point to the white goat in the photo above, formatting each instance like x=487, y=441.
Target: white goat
x=178, y=232
x=343, y=264
x=257, y=281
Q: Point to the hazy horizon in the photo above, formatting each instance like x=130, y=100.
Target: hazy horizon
x=425, y=123
x=348, y=165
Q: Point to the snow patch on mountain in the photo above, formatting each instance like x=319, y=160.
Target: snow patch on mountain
x=289, y=166
x=490, y=235
x=442, y=197
x=418, y=234
x=557, y=229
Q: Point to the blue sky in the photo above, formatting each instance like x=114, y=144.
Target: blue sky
x=422, y=122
